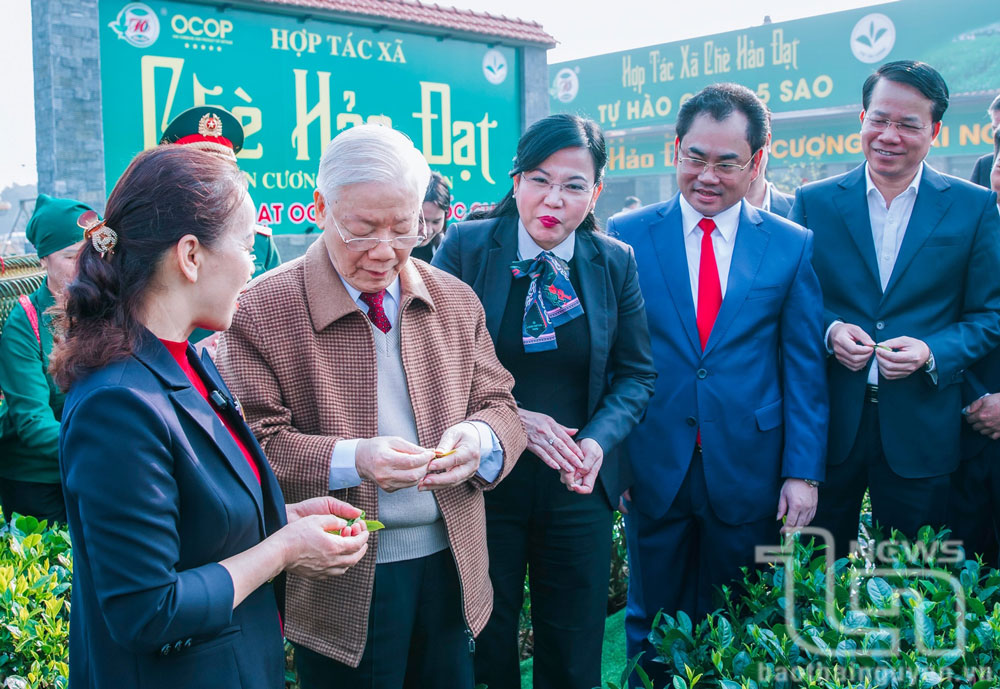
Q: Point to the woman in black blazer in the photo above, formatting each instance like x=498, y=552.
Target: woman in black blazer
x=178, y=526
x=563, y=306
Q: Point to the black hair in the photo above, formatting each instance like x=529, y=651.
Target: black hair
x=550, y=135
x=994, y=106
x=718, y=101
x=438, y=192
x=919, y=75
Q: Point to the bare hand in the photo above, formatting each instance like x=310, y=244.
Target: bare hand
x=851, y=345
x=798, y=501
x=454, y=467
x=321, y=505
x=582, y=480
x=392, y=462
x=901, y=356
x=984, y=416
x=318, y=545
x=551, y=442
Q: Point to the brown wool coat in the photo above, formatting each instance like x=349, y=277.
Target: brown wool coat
x=301, y=358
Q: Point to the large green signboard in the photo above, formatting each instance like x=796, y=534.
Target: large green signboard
x=295, y=82
x=806, y=64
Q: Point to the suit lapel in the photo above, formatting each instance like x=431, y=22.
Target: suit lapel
x=667, y=237
x=748, y=251
x=852, y=202
x=594, y=296
x=498, y=277
x=190, y=403
x=929, y=208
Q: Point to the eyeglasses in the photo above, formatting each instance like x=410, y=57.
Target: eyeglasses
x=697, y=166
x=904, y=128
x=361, y=244
x=540, y=185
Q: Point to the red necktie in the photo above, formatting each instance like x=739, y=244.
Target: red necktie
x=709, y=287
x=376, y=312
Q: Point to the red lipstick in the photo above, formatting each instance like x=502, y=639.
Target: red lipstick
x=548, y=221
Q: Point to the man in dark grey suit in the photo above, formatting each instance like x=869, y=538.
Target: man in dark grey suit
x=907, y=258
x=983, y=167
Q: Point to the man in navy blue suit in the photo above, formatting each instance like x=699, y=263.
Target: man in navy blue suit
x=908, y=259
x=734, y=436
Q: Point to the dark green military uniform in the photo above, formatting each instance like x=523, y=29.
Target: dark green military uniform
x=31, y=438
x=29, y=445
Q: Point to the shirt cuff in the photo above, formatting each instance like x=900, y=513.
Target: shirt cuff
x=826, y=337
x=343, y=465
x=490, y=452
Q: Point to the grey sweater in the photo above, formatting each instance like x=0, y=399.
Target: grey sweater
x=414, y=527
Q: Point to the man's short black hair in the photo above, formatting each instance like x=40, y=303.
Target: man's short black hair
x=919, y=75
x=994, y=106
x=718, y=101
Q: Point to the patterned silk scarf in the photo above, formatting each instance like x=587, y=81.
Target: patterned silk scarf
x=551, y=300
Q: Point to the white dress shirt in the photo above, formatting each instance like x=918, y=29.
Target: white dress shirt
x=888, y=228
x=343, y=462
x=723, y=241
x=527, y=248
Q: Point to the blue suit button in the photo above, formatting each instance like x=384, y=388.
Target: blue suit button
x=691, y=421
x=701, y=373
x=165, y=651
x=880, y=325
x=178, y=646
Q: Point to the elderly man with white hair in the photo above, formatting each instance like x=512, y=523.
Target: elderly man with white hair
x=372, y=378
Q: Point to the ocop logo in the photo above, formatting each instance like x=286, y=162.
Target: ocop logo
x=873, y=37
x=137, y=24
x=201, y=28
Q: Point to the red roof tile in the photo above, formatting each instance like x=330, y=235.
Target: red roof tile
x=442, y=19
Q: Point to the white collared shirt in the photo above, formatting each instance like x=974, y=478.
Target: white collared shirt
x=723, y=241
x=888, y=228
x=766, y=204
x=527, y=248
x=889, y=223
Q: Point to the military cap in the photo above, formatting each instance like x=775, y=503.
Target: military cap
x=207, y=128
x=55, y=224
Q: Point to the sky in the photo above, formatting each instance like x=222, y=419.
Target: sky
x=580, y=29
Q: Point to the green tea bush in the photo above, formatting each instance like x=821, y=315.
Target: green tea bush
x=35, y=575
x=905, y=615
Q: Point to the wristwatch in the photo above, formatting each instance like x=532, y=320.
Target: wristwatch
x=810, y=482
x=929, y=364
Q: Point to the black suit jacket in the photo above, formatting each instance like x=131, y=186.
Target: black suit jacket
x=621, y=361
x=157, y=493
x=981, y=172
x=943, y=290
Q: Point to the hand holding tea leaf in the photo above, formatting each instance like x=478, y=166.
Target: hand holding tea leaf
x=851, y=345
x=456, y=458
x=901, y=356
x=392, y=462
